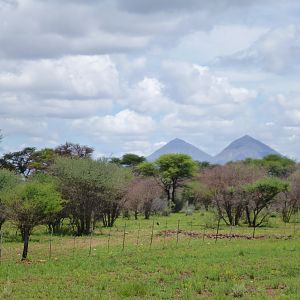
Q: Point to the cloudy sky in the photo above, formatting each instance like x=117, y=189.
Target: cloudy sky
x=130, y=75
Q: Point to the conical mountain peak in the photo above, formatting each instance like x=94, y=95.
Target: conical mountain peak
x=242, y=148
x=180, y=146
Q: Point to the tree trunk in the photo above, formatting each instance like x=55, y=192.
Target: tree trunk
x=26, y=241
x=135, y=216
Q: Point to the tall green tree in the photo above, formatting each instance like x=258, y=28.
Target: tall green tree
x=259, y=196
x=170, y=170
x=131, y=160
x=8, y=181
x=30, y=204
x=93, y=189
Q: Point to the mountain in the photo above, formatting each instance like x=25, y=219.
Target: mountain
x=242, y=148
x=180, y=146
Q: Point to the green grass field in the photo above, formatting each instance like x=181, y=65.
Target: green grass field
x=97, y=267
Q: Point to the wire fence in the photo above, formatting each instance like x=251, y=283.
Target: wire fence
x=155, y=234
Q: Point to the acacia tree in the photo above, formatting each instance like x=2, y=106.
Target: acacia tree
x=93, y=189
x=197, y=194
x=259, y=196
x=112, y=199
x=19, y=162
x=170, y=170
x=275, y=165
x=141, y=196
x=30, y=204
x=8, y=180
x=289, y=201
x=74, y=150
x=226, y=184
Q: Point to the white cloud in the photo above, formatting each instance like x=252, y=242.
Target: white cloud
x=194, y=84
x=125, y=122
x=147, y=96
x=70, y=76
x=23, y=106
x=277, y=51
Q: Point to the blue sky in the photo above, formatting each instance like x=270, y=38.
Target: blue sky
x=128, y=76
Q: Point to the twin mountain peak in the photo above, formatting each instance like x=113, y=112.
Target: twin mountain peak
x=242, y=148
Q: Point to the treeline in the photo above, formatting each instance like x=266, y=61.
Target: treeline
x=66, y=189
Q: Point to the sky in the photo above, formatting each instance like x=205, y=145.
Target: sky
x=130, y=75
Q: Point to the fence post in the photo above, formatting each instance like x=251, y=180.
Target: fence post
x=50, y=243
x=108, y=241
x=231, y=233
x=177, y=234
x=165, y=234
x=91, y=236
x=191, y=233
x=151, y=240
x=74, y=244
x=124, y=233
x=138, y=235
x=204, y=231
x=218, y=226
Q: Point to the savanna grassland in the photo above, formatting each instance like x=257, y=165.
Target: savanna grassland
x=172, y=266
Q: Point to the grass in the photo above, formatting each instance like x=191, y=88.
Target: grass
x=190, y=269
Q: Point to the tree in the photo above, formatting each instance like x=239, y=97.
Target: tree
x=42, y=160
x=74, y=150
x=198, y=194
x=141, y=196
x=19, y=161
x=30, y=204
x=8, y=180
x=226, y=185
x=275, y=165
x=289, y=201
x=93, y=189
x=259, y=196
x=131, y=160
x=170, y=170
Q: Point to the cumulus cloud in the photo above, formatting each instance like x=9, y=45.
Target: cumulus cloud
x=123, y=76
x=277, y=51
x=194, y=84
x=125, y=122
x=147, y=96
x=70, y=76
x=289, y=107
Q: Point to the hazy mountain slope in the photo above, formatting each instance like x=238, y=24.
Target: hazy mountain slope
x=180, y=146
x=244, y=147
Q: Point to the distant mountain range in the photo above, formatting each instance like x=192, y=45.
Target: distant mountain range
x=240, y=149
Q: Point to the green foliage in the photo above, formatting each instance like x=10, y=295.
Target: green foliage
x=31, y=202
x=198, y=194
x=91, y=186
x=176, y=166
x=131, y=160
x=42, y=159
x=267, y=188
x=260, y=195
x=8, y=181
x=275, y=165
x=147, y=169
x=171, y=170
